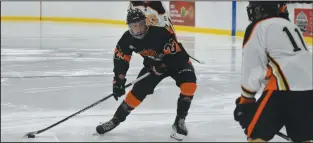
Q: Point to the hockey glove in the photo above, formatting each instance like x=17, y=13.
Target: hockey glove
x=118, y=87
x=245, y=110
x=158, y=69
x=154, y=67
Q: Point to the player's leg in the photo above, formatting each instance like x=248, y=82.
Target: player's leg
x=133, y=98
x=268, y=119
x=186, y=81
x=138, y=93
x=299, y=115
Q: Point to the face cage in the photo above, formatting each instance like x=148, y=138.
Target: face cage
x=141, y=25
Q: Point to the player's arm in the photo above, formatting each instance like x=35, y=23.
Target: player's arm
x=162, y=15
x=156, y=5
x=122, y=56
x=252, y=72
x=172, y=55
x=175, y=55
x=253, y=62
x=121, y=59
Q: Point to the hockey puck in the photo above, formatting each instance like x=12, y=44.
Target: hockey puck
x=31, y=136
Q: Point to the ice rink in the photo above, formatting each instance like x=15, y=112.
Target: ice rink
x=51, y=70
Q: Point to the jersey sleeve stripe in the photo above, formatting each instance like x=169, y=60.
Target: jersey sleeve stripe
x=272, y=83
x=247, y=93
x=120, y=55
x=278, y=77
x=259, y=112
x=282, y=82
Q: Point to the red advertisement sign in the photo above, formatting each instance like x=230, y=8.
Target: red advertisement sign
x=304, y=20
x=182, y=13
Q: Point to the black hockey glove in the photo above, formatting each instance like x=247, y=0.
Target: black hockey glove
x=154, y=67
x=158, y=69
x=245, y=110
x=118, y=87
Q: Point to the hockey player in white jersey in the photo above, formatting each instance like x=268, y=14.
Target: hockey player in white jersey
x=275, y=54
x=155, y=12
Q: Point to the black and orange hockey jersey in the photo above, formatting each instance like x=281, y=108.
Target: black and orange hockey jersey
x=159, y=44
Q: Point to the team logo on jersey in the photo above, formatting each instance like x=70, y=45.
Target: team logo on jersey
x=171, y=47
x=148, y=52
x=184, y=70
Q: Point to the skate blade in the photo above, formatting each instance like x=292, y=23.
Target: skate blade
x=97, y=134
x=177, y=136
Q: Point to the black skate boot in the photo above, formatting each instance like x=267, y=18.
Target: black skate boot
x=108, y=126
x=179, y=128
x=120, y=116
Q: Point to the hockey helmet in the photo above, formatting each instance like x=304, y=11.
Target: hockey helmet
x=136, y=21
x=258, y=10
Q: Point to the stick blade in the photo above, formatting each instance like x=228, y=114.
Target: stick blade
x=30, y=133
x=201, y=62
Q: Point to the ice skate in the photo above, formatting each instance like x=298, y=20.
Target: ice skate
x=108, y=126
x=179, y=129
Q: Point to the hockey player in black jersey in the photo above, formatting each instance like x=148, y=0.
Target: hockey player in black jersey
x=163, y=57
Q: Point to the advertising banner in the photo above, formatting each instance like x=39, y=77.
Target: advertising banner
x=303, y=18
x=182, y=13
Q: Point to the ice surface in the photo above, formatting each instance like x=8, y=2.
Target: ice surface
x=51, y=70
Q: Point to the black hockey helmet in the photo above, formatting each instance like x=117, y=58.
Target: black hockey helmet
x=136, y=21
x=258, y=10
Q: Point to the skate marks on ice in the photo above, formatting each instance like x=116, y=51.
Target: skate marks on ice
x=141, y=125
x=210, y=118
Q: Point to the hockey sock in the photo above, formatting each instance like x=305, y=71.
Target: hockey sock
x=123, y=111
x=183, y=105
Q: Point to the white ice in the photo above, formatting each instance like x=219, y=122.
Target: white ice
x=51, y=70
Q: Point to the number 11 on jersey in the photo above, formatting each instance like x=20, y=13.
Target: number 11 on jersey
x=292, y=40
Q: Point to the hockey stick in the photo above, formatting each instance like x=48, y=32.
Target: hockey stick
x=200, y=62
x=32, y=134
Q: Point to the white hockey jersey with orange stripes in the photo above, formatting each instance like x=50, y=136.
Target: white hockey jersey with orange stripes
x=275, y=54
x=155, y=12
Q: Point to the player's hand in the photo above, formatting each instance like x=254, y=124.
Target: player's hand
x=118, y=87
x=245, y=110
x=158, y=69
